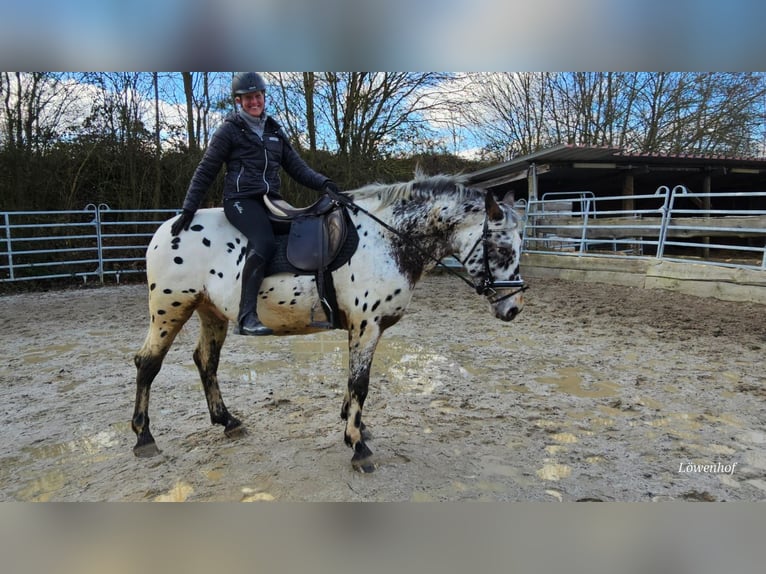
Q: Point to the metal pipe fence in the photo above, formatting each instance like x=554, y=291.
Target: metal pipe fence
x=673, y=224
x=92, y=243
x=723, y=228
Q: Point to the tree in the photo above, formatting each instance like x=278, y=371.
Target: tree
x=664, y=112
x=37, y=111
x=370, y=114
x=191, y=132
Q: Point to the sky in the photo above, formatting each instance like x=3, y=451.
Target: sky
x=401, y=35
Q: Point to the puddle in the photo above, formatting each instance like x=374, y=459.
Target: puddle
x=411, y=368
x=85, y=449
x=86, y=445
x=406, y=366
x=321, y=352
x=580, y=383
x=43, y=488
x=43, y=354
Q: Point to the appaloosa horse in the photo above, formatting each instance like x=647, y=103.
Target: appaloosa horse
x=403, y=230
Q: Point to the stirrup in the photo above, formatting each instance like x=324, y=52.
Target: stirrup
x=329, y=323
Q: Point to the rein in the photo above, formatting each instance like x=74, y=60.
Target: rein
x=487, y=287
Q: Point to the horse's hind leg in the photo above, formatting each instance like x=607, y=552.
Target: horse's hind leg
x=162, y=331
x=212, y=335
x=148, y=366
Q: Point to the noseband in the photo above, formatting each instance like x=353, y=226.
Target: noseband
x=489, y=285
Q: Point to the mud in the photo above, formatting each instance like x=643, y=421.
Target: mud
x=594, y=392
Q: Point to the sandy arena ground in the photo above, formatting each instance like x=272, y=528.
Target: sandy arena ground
x=594, y=392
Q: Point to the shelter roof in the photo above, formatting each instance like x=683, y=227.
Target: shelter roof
x=566, y=159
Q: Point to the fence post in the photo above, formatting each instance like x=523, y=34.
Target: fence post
x=665, y=209
x=584, y=234
x=96, y=221
x=7, y=225
x=100, y=238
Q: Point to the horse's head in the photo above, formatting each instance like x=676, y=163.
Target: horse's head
x=491, y=254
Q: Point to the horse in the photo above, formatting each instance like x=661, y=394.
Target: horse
x=404, y=230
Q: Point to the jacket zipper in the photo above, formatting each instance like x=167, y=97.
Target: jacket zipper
x=265, y=165
x=241, y=170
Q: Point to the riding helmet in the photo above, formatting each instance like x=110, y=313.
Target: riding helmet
x=246, y=82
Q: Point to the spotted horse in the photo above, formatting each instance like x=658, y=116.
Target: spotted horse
x=404, y=229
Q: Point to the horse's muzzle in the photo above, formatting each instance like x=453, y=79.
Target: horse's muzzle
x=509, y=315
x=508, y=308
x=509, y=302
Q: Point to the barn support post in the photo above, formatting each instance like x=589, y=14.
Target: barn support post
x=532, y=182
x=531, y=195
x=706, y=203
x=628, y=202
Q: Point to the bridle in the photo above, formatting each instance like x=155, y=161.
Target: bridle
x=488, y=286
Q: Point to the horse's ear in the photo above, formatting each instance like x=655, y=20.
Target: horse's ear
x=494, y=211
x=509, y=199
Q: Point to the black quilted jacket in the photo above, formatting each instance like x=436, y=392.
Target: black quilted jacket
x=252, y=163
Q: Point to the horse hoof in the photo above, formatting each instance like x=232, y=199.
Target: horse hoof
x=365, y=465
x=235, y=429
x=362, y=459
x=146, y=450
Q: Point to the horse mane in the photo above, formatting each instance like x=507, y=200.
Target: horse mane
x=422, y=187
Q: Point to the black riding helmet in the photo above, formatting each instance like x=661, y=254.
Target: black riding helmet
x=246, y=82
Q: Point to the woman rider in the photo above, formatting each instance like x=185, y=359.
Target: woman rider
x=254, y=147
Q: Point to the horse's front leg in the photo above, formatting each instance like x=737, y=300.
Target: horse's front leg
x=362, y=345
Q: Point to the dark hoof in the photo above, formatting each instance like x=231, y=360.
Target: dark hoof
x=146, y=450
x=362, y=459
x=365, y=466
x=235, y=429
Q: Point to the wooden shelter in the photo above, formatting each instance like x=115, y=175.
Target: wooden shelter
x=609, y=171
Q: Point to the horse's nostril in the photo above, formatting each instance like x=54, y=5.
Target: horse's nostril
x=512, y=313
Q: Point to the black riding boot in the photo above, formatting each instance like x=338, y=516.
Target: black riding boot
x=252, y=277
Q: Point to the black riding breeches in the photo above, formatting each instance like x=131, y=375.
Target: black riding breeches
x=249, y=215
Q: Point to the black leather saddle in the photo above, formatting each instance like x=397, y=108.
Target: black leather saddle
x=315, y=233
x=313, y=240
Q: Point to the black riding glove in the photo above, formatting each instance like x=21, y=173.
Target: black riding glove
x=330, y=188
x=183, y=222
x=336, y=194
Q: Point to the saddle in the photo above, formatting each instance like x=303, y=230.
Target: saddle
x=313, y=240
x=316, y=233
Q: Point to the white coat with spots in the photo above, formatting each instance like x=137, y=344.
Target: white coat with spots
x=199, y=270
